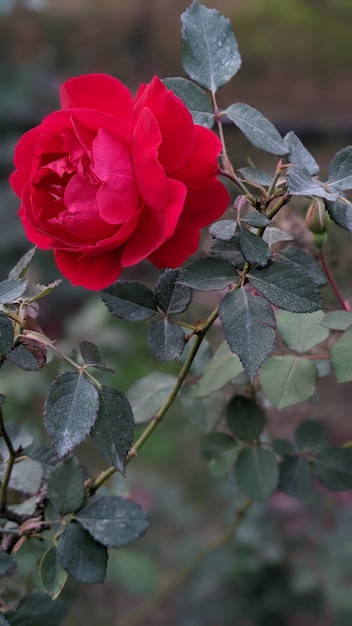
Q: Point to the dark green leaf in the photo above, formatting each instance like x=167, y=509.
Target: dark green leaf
x=3, y=620
x=253, y=248
x=26, y=476
x=337, y=320
x=35, y=291
x=341, y=357
x=37, y=609
x=12, y=289
x=209, y=274
x=130, y=300
x=283, y=447
x=299, y=154
x=210, y=52
x=288, y=379
x=113, y=431
x=91, y=356
x=6, y=334
x=256, y=219
x=229, y=251
x=273, y=235
x=194, y=98
x=220, y=452
x=295, y=477
x=22, y=357
x=341, y=212
x=299, y=260
x=172, y=297
x=287, y=288
x=245, y=418
x=52, y=574
x=114, y=521
x=166, y=339
x=301, y=332
x=340, y=169
x=202, y=357
x=300, y=183
x=203, y=412
x=220, y=369
x=311, y=435
x=258, y=130
x=257, y=473
x=70, y=410
x=7, y=562
x=224, y=229
x=81, y=556
x=334, y=468
x=256, y=176
x=147, y=395
x=249, y=327
x=65, y=487
x=20, y=268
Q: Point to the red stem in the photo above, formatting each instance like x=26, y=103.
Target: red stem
x=331, y=280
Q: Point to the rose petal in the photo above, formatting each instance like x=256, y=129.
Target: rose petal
x=148, y=236
x=203, y=162
x=81, y=219
x=177, y=249
x=92, y=272
x=205, y=205
x=174, y=120
x=150, y=175
x=98, y=92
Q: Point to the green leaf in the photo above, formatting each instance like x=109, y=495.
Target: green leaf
x=130, y=300
x=202, y=357
x=194, y=98
x=258, y=130
x=220, y=369
x=113, y=431
x=301, y=332
x=334, y=468
x=229, y=251
x=283, y=447
x=166, y=339
x=91, y=356
x=288, y=379
x=19, y=270
x=81, y=556
x=210, y=52
x=340, y=169
x=65, y=487
x=299, y=154
x=114, y=521
x=274, y=235
x=35, y=291
x=3, y=620
x=171, y=296
x=340, y=212
x=209, y=274
x=300, y=183
x=37, y=609
x=147, y=395
x=287, y=287
x=244, y=418
x=253, y=175
x=341, y=357
x=7, y=562
x=26, y=476
x=311, y=435
x=253, y=248
x=256, y=219
x=6, y=334
x=203, y=412
x=249, y=327
x=337, y=320
x=70, y=410
x=299, y=260
x=52, y=574
x=22, y=357
x=296, y=477
x=224, y=229
x=257, y=473
x=12, y=289
x=220, y=452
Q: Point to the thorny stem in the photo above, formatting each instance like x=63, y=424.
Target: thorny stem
x=332, y=282
x=147, y=608
x=202, y=329
x=9, y=464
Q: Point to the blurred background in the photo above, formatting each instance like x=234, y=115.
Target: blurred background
x=292, y=563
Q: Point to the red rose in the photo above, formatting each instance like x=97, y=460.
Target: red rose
x=110, y=180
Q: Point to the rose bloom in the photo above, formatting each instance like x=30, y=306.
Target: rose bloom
x=110, y=180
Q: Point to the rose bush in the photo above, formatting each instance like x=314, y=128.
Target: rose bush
x=110, y=180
